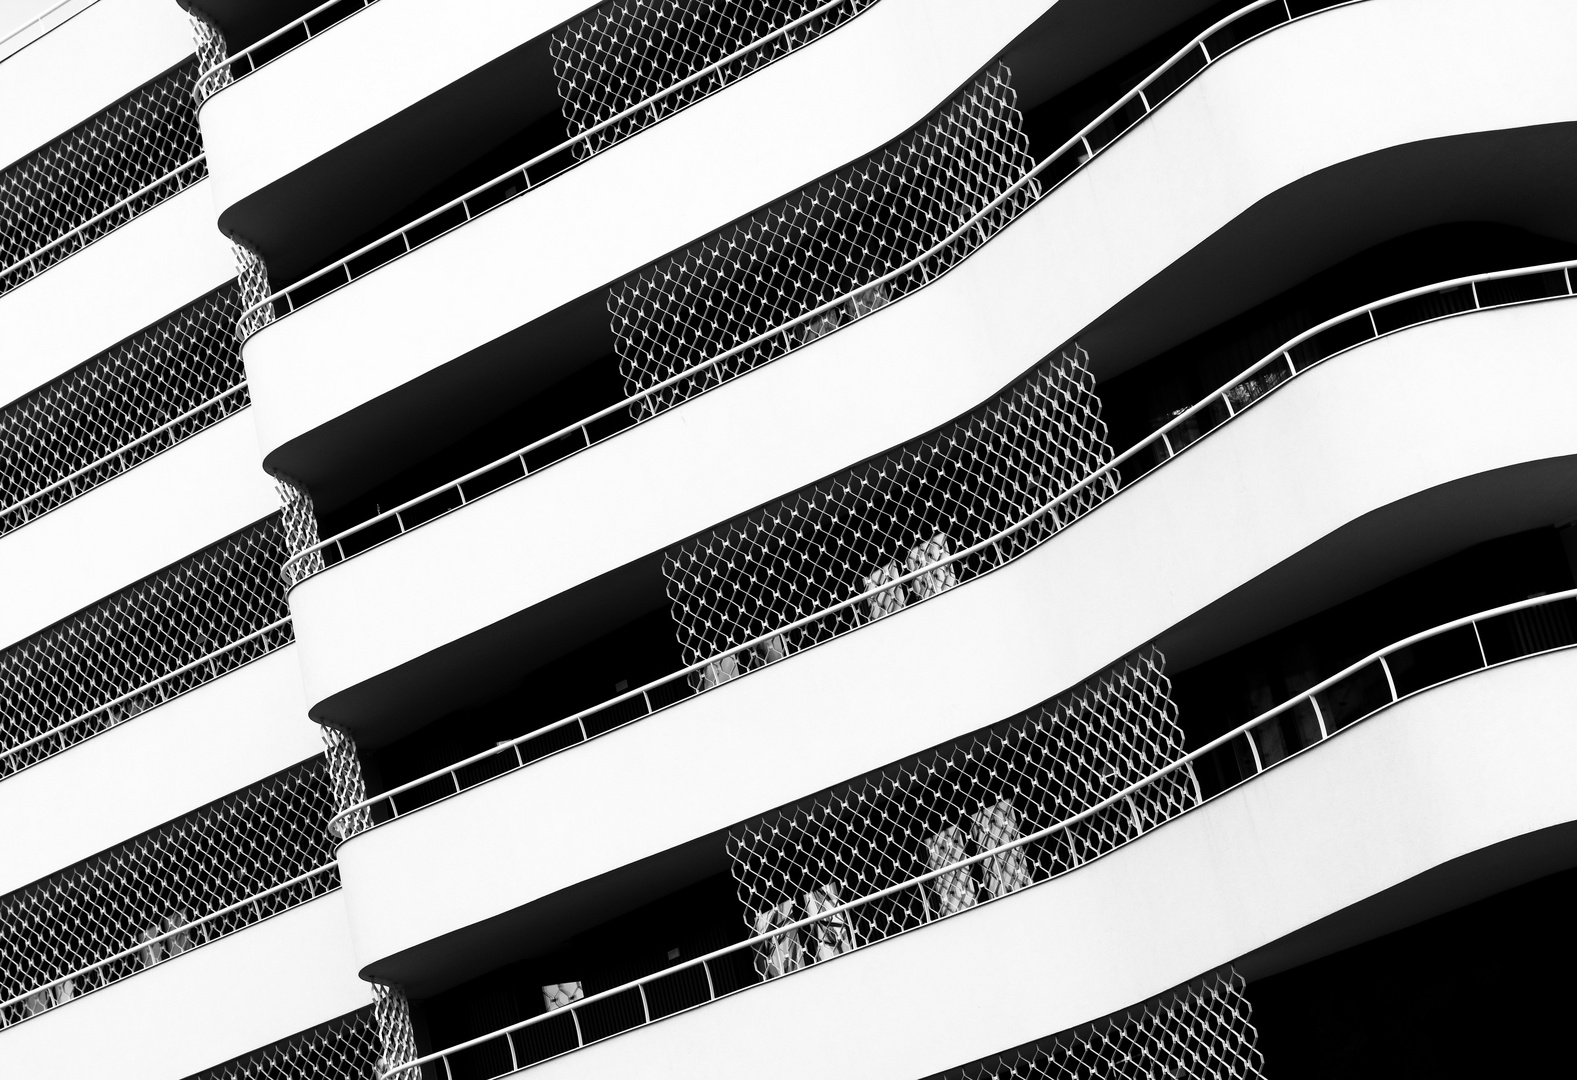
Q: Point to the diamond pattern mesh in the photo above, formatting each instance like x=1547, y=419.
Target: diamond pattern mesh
x=211, y=52
x=252, y=277
x=892, y=515
x=93, y=413
x=822, y=243
x=1201, y=1031
x=139, y=892
x=1016, y=777
x=301, y=530
x=394, y=1028
x=626, y=51
x=342, y=1049
x=142, y=633
x=125, y=148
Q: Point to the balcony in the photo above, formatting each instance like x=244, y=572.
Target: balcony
x=1281, y=497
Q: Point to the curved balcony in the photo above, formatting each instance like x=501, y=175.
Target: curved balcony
x=1260, y=517
x=1405, y=800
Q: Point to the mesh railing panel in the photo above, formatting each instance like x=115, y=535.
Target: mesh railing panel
x=252, y=277
x=822, y=243
x=138, y=892
x=157, y=376
x=895, y=514
x=625, y=52
x=342, y=1049
x=301, y=530
x=1202, y=1031
x=211, y=52
x=62, y=185
x=1017, y=777
x=133, y=638
x=395, y=1033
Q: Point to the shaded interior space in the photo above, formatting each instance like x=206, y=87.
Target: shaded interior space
x=1478, y=991
x=245, y=22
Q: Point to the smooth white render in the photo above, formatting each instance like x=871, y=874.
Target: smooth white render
x=1361, y=432
x=353, y=78
x=155, y=767
x=1445, y=774
x=143, y=520
x=1267, y=116
x=244, y=991
x=81, y=66
x=121, y=283
x=815, y=110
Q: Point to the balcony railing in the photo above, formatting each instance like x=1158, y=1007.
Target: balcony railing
x=1329, y=339
x=344, y=1049
x=100, y=175
x=211, y=873
x=266, y=50
x=170, y=633
x=859, y=302
x=541, y=168
x=138, y=399
x=1409, y=667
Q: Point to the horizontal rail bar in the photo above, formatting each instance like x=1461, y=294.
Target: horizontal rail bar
x=1023, y=841
x=36, y=19
x=246, y=53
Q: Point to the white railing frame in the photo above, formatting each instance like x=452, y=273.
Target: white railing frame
x=1156, y=438
x=246, y=53
x=789, y=326
x=1187, y=761
x=35, y=20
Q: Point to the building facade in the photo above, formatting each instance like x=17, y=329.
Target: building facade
x=465, y=613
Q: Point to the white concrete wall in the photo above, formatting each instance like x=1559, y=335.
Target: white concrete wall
x=1453, y=771
x=108, y=291
x=1260, y=121
x=321, y=95
x=158, y=513
x=770, y=134
x=257, y=986
x=80, y=66
x=185, y=753
x=1356, y=434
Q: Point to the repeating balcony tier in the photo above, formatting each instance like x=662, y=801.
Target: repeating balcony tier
x=1355, y=473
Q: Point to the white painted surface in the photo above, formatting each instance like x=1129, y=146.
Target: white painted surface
x=1267, y=119
x=354, y=77
x=772, y=132
x=1445, y=774
x=83, y=65
x=163, y=763
x=108, y=291
x=1358, y=433
x=199, y=1009
x=146, y=519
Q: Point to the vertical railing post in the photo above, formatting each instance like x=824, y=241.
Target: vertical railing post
x=646, y=1010
x=1253, y=749
x=1319, y=717
x=1473, y=285
x=1482, y=655
x=574, y=1014
x=711, y=988
x=1385, y=667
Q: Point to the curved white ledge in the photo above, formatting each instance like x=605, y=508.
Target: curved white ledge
x=1339, y=448
x=1437, y=779
x=246, y=990
x=120, y=283
x=783, y=126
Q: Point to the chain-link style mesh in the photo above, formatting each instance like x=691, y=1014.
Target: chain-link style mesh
x=824, y=242
x=898, y=513
x=91, y=415
x=626, y=51
x=125, y=148
x=252, y=276
x=394, y=1028
x=211, y=51
x=137, y=636
x=1016, y=777
x=342, y=1049
x=1201, y=1031
x=136, y=894
x=301, y=530
x=350, y=787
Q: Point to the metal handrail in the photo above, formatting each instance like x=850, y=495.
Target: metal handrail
x=188, y=928
x=1076, y=142
x=146, y=687
x=101, y=216
x=521, y=170
x=35, y=20
x=1187, y=761
x=246, y=53
x=132, y=445
x=1157, y=439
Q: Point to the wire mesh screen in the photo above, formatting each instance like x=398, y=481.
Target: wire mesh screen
x=625, y=52
x=140, y=897
x=300, y=523
x=252, y=277
x=158, y=626
x=892, y=515
x=183, y=371
x=1014, y=778
x=62, y=185
x=345, y=774
x=211, y=52
x=824, y=242
x=342, y=1049
x=395, y=1033
x=1202, y=1031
